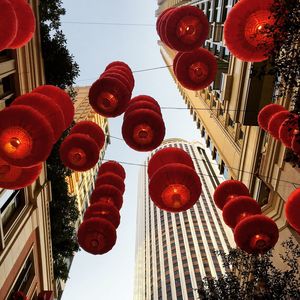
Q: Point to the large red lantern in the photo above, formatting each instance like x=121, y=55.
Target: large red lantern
x=25, y=136
x=113, y=167
x=159, y=20
x=143, y=98
x=288, y=129
x=246, y=30
x=228, y=190
x=296, y=144
x=109, y=194
x=256, y=234
x=175, y=187
x=266, y=113
x=103, y=211
x=143, y=130
x=239, y=208
x=112, y=179
x=162, y=26
x=275, y=122
x=61, y=98
x=167, y=156
x=195, y=70
x=14, y=178
x=96, y=235
x=121, y=66
x=79, y=152
x=292, y=209
x=48, y=108
x=26, y=23
x=8, y=24
x=120, y=74
x=91, y=129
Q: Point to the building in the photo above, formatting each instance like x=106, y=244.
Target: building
x=226, y=115
x=174, y=251
x=25, y=237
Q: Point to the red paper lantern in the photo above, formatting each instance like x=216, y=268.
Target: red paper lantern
x=142, y=104
x=168, y=156
x=8, y=24
x=186, y=28
x=275, y=122
x=79, y=152
x=91, y=129
x=196, y=70
x=143, y=98
x=159, y=20
x=61, y=98
x=288, y=129
x=228, y=190
x=96, y=235
x=246, y=30
x=175, y=187
x=162, y=26
x=107, y=193
x=113, y=73
x=113, y=167
x=25, y=136
x=25, y=21
x=296, y=144
x=112, y=179
x=239, y=208
x=292, y=209
x=266, y=113
x=14, y=178
x=256, y=234
x=48, y=108
x=143, y=130
x=103, y=211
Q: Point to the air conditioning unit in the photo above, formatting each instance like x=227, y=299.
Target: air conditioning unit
x=226, y=86
x=217, y=35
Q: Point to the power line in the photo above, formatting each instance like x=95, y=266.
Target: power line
x=108, y=23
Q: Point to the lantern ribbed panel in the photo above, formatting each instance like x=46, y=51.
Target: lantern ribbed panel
x=159, y=20
x=288, y=129
x=113, y=73
x=112, y=166
x=292, y=209
x=141, y=98
x=142, y=104
x=266, y=113
x=125, y=72
x=113, y=179
x=275, y=122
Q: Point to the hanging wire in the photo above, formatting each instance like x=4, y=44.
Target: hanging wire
x=108, y=23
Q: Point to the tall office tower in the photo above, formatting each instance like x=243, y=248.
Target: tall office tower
x=226, y=115
x=175, y=250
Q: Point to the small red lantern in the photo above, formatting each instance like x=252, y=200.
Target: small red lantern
x=25, y=136
x=296, y=144
x=96, y=235
x=109, y=194
x=104, y=211
x=26, y=23
x=79, y=152
x=256, y=234
x=168, y=156
x=266, y=113
x=113, y=179
x=175, y=187
x=61, y=98
x=275, y=122
x=292, y=209
x=239, y=208
x=8, y=24
x=113, y=167
x=228, y=190
x=195, y=70
x=14, y=178
x=246, y=30
x=186, y=28
x=91, y=129
x=288, y=129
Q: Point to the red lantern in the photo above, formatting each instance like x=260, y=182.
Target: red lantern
x=296, y=144
x=96, y=236
x=168, y=156
x=162, y=26
x=143, y=130
x=114, y=167
x=266, y=113
x=142, y=104
x=256, y=234
x=246, y=30
x=186, y=28
x=112, y=179
x=48, y=108
x=109, y=194
x=61, y=98
x=275, y=122
x=109, y=97
x=288, y=129
x=26, y=23
x=25, y=136
x=103, y=211
x=239, y=208
x=117, y=64
x=196, y=70
x=175, y=187
x=14, y=178
x=79, y=152
x=8, y=24
x=292, y=209
x=143, y=98
x=228, y=190
x=91, y=129
x=113, y=73
x=159, y=20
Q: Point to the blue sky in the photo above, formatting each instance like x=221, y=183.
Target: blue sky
x=111, y=276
